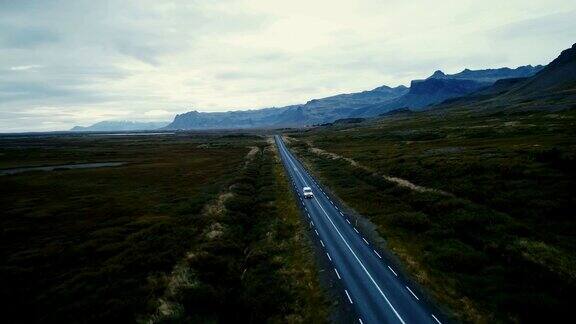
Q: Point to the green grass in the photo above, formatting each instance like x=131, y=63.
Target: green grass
x=260, y=267
x=501, y=248
x=88, y=245
x=188, y=219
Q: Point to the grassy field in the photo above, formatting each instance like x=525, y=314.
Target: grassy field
x=497, y=243
x=143, y=241
x=254, y=260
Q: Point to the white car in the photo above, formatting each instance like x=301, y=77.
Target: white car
x=307, y=192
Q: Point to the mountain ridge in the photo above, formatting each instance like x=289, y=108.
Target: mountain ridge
x=119, y=125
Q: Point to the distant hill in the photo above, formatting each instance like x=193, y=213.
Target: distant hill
x=315, y=111
x=552, y=88
x=559, y=75
x=440, y=87
x=115, y=126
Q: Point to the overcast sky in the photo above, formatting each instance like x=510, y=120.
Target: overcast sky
x=66, y=63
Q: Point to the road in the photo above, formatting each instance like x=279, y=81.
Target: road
x=372, y=286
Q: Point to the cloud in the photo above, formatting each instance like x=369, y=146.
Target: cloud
x=159, y=113
x=25, y=67
x=26, y=37
x=145, y=59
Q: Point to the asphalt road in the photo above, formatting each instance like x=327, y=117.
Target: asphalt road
x=372, y=286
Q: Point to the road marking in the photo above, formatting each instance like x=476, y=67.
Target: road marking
x=336, y=207
x=361, y=264
x=358, y=260
x=356, y=230
x=360, y=320
x=328, y=254
x=316, y=232
x=394, y=272
x=434, y=317
x=348, y=221
x=366, y=241
x=413, y=294
x=350, y=299
x=341, y=214
x=378, y=254
x=322, y=243
x=308, y=215
x=312, y=223
x=337, y=274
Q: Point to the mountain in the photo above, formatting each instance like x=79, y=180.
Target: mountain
x=559, y=75
x=116, y=126
x=315, y=111
x=422, y=94
x=552, y=88
x=440, y=87
x=490, y=75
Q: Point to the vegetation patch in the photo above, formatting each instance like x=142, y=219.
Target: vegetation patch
x=500, y=247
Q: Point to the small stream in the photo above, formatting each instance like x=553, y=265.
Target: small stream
x=61, y=167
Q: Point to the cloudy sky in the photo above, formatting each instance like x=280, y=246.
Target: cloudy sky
x=66, y=63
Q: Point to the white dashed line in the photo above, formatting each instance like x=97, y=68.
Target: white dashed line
x=360, y=320
x=337, y=274
x=348, y=222
x=328, y=254
x=378, y=254
x=434, y=317
x=316, y=232
x=365, y=241
x=356, y=230
x=350, y=299
x=413, y=294
x=394, y=272
x=341, y=214
x=322, y=243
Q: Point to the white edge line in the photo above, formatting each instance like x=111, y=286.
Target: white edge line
x=350, y=299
